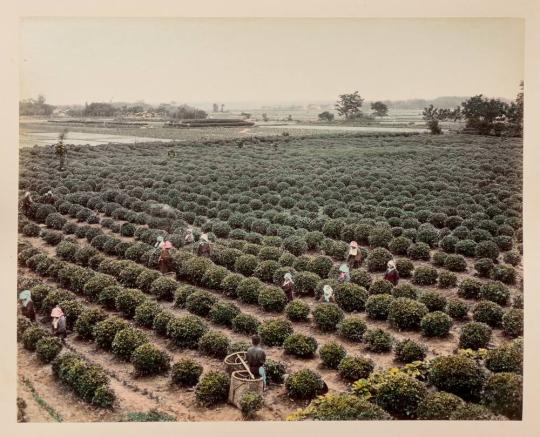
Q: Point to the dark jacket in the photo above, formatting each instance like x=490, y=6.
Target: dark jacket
x=255, y=358
x=392, y=276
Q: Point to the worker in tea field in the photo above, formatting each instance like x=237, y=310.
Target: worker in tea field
x=344, y=275
x=60, y=150
x=27, y=305
x=160, y=242
x=59, y=323
x=328, y=294
x=288, y=286
x=164, y=261
x=26, y=203
x=204, y=247
x=256, y=358
x=391, y=274
x=188, y=239
x=48, y=198
x=354, y=256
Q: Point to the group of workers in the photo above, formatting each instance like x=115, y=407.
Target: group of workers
x=58, y=318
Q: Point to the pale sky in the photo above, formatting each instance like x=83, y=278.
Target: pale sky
x=71, y=61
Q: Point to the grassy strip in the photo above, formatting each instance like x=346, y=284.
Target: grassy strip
x=42, y=402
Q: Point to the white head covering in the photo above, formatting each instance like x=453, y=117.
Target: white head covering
x=327, y=292
x=204, y=237
x=391, y=265
x=288, y=277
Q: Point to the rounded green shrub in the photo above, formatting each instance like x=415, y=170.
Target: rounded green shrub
x=214, y=344
x=400, y=395
x=212, y=388
x=484, y=267
x=457, y=309
x=377, y=259
x=305, y=283
x=273, y=332
x=381, y=286
x=455, y=263
x=126, y=341
x=508, y=357
x=361, y=277
x=488, y=312
x=457, y=374
x=327, y=316
x=186, y=372
x=230, y=284
x=469, y=288
x=84, y=326
x=436, y=324
x=331, y=354
x=425, y=275
x=297, y=310
x=405, y=267
x=406, y=313
x=496, y=292
x=474, y=335
x=127, y=300
x=186, y=331
x=275, y=371
x=106, y=330
x=419, y=251
x=407, y=351
x=505, y=274
x=352, y=328
x=487, y=249
x=245, y=324
x=300, y=345
x=353, y=368
x=433, y=301
x=503, y=394
x=272, y=298
x=223, y=313
x=447, y=279
x=47, y=348
x=164, y=288
x=248, y=290
x=512, y=322
x=304, y=384
x=246, y=264
x=378, y=340
x=145, y=313
x=350, y=297
x=438, y=405
x=405, y=290
x=378, y=306
x=200, y=302
x=147, y=359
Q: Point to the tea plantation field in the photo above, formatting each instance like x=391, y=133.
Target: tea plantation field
x=444, y=343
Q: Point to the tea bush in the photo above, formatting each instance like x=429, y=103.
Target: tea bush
x=407, y=351
x=419, y=251
x=433, y=301
x=273, y=332
x=405, y=268
x=145, y=313
x=248, y=290
x=163, y=288
x=457, y=309
x=352, y=328
x=327, y=316
x=377, y=259
x=200, y=302
x=147, y=359
x=436, y=324
x=469, y=288
x=272, y=299
x=297, y=311
x=214, y=344
x=503, y=394
x=126, y=341
x=405, y=314
x=457, y=374
x=378, y=306
x=512, y=322
x=352, y=368
x=400, y=395
x=106, y=330
x=47, y=349
x=508, y=357
x=377, y=340
x=381, y=286
x=250, y=403
x=495, y=292
x=438, y=406
x=504, y=274
x=223, y=313
x=186, y=372
x=275, y=371
x=245, y=324
x=300, y=345
x=425, y=275
x=488, y=312
x=127, y=300
x=474, y=335
x=84, y=326
x=186, y=331
x=304, y=384
x=361, y=277
x=405, y=290
x=212, y=388
x=32, y=335
x=331, y=354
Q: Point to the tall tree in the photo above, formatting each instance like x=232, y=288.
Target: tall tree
x=348, y=105
x=379, y=108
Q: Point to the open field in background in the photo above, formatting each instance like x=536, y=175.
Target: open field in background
x=437, y=205
x=41, y=132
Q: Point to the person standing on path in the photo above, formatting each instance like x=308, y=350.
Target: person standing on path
x=288, y=286
x=391, y=274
